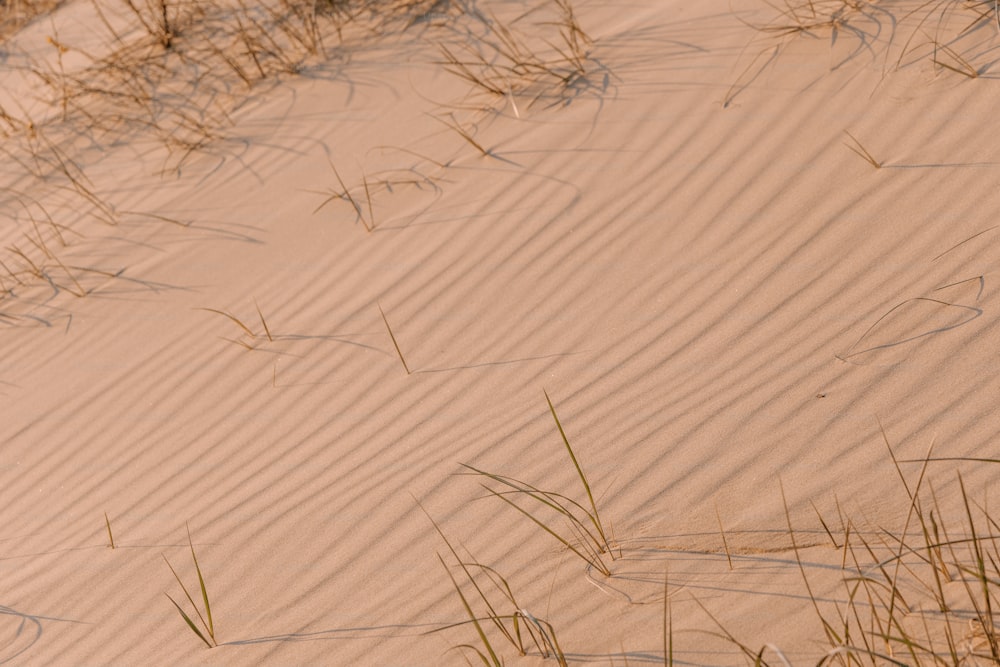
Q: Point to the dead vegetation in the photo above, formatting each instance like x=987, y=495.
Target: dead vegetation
x=170, y=73
x=947, y=34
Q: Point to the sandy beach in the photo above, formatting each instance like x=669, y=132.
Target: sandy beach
x=675, y=318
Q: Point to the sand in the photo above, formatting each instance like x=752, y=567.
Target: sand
x=721, y=298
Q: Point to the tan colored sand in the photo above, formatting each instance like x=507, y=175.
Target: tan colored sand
x=691, y=282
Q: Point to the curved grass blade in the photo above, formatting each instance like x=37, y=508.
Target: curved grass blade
x=494, y=660
x=231, y=317
x=549, y=499
x=594, y=559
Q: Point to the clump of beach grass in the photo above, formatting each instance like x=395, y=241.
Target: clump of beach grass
x=248, y=333
x=858, y=148
x=587, y=537
x=883, y=618
x=517, y=626
x=206, y=632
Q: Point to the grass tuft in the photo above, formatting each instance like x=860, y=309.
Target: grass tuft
x=510, y=624
x=588, y=539
x=860, y=150
x=207, y=625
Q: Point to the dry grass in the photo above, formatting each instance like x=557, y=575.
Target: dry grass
x=858, y=148
x=883, y=617
x=111, y=537
x=249, y=338
x=392, y=336
x=549, y=59
x=172, y=72
x=897, y=33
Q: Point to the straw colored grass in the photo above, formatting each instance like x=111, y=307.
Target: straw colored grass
x=858, y=148
x=249, y=337
x=111, y=537
x=392, y=336
x=876, y=622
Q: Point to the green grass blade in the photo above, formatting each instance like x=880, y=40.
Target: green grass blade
x=187, y=619
x=594, y=559
x=204, y=592
x=551, y=500
x=472, y=616
x=547, y=498
x=492, y=613
x=184, y=588
x=595, y=516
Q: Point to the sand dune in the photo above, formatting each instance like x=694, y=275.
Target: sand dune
x=720, y=296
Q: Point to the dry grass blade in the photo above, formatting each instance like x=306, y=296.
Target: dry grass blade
x=862, y=151
x=232, y=318
x=826, y=528
x=263, y=321
x=725, y=544
x=961, y=66
x=371, y=210
x=757, y=658
x=462, y=132
x=393, y=337
x=984, y=611
x=345, y=193
x=111, y=537
x=491, y=611
x=832, y=635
